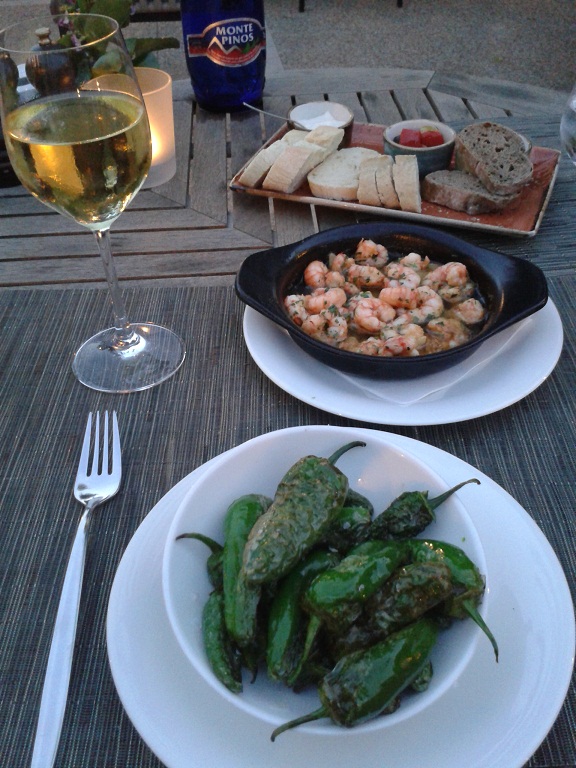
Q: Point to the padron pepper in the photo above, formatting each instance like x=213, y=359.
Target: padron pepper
x=214, y=562
x=412, y=591
x=365, y=683
x=220, y=651
x=241, y=598
x=306, y=501
x=286, y=621
x=468, y=582
x=337, y=595
x=348, y=528
x=409, y=514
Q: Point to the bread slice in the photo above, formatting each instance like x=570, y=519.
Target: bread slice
x=461, y=191
x=290, y=169
x=258, y=167
x=367, y=188
x=385, y=183
x=496, y=155
x=407, y=183
x=326, y=136
x=294, y=135
x=337, y=177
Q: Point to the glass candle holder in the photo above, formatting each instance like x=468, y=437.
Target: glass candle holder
x=156, y=87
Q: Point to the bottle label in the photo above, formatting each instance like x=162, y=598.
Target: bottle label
x=229, y=43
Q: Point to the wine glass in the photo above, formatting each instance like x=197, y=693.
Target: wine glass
x=78, y=138
x=568, y=127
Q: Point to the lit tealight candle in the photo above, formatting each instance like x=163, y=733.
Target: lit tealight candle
x=156, y=87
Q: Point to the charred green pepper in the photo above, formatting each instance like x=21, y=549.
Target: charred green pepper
x=365, y=683
x=348, y=528
x=408, y=594
x=286, y=622
x=222, y=656
x=337, y=595
x=241, y=599
x=214, y=562
x=468, y=581
x=306, y=500
x=409, y=514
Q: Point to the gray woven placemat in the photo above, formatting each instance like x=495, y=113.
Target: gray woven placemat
x=218, y=400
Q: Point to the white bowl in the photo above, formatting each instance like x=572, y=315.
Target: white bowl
x=381, y=472
x=315, y=113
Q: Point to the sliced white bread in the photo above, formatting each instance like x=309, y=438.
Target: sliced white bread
x=461, y=191
x=258, y=167
x=326, y=136
x=337, y=177
x=367, y=187
x=407, y=183
x=292, y=166
x=496, y=155
x=385, y=183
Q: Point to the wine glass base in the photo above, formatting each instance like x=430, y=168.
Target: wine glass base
x=151, y=356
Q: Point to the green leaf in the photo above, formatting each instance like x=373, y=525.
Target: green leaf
x=116, y=9
x=140, y=47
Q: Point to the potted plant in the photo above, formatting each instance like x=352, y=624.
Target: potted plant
x=141, y=49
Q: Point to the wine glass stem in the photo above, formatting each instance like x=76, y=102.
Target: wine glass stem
x=124, y=335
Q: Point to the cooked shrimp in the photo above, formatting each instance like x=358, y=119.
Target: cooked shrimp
x=392, y=347
x=415, y=261
x=315, y=274
x=371, y=253
x=340, y=262
x=328, y=326
x=455, y=294
x=428, y=305
x=371, y=314
x=314, y=325
x=366, y=276
x=335, y=279
x=400, y=274
x=295, y=306
x=399, y=296
x=470, y=311
x=449, y=332
x=322, y=298
x=453, y=273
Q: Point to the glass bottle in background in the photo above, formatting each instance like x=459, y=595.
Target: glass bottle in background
x=225, y=45
x=568, y=127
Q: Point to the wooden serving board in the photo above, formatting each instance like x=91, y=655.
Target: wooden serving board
x=521, y=218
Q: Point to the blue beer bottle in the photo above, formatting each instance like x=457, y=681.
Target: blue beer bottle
x=225, y=45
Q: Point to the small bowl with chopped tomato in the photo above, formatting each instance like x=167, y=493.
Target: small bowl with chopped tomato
x=430, y=141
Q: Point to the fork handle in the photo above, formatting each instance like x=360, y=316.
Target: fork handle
x=56, y=682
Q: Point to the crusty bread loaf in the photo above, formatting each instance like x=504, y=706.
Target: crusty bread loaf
x=461, y=191
x=496, y=155
x=407, y=182
x=337, y=177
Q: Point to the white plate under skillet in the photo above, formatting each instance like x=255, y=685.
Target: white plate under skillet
x=496, y=717
x=500, y=372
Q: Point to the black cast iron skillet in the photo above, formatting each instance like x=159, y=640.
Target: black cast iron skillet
x=512, y=289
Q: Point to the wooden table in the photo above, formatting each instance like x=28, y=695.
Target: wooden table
x=193, y=230
x=177, y=249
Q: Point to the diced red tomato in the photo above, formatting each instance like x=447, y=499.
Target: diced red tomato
x=410, y=137
x=431, y=138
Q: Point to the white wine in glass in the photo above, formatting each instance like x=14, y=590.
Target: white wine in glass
x=78, y=138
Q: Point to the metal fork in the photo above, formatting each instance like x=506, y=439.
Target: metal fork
x=95, y=483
